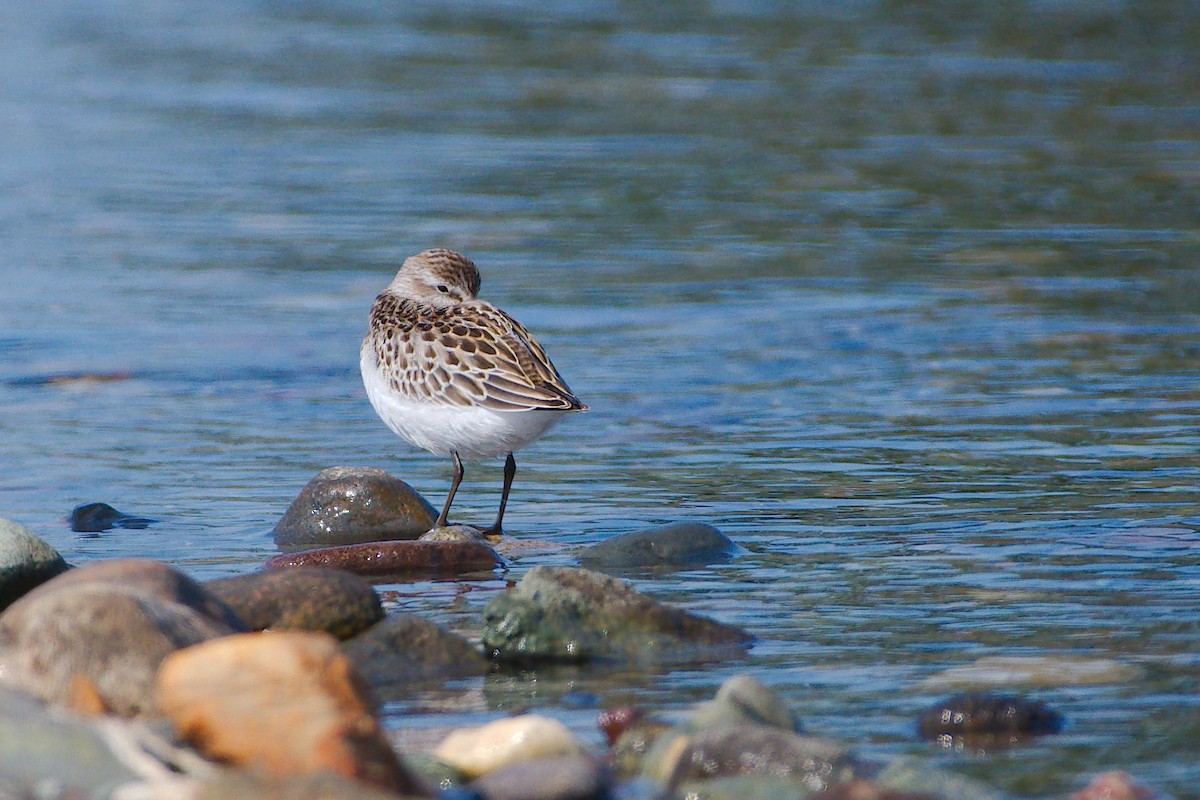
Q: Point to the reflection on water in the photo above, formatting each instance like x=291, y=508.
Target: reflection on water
x=902, y=297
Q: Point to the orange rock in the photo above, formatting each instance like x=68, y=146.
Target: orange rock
x=286, y=703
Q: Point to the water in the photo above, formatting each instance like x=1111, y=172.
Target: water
x=906, y=299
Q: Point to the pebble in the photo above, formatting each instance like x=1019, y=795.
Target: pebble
x=349, y=505
x=285, y=703
x=479, y=751
x=26, y=561
x=302, y=598
x=576, y=615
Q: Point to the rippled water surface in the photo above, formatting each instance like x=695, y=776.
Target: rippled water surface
x=903, y=297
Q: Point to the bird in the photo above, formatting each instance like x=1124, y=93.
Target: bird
x=455, y=375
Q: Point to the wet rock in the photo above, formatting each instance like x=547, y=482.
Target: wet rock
x=983, y=717
x=303, y=598
x=629, y=751
x=916, y=777
x=285, y=703
x=993, y=671
x=246, y=785
x=41, y=749
x=677, y=544
x=565, y=778
x=759, y=750
x=867, y=790
x=404, y=648
x=479, y=751
x=453, y=533
x=96, y=517
x=746, y=787
x=110, y=624
x=742, y=699
x=616, y=721
x=25, y=561
x=349, y=505
x=574, y=615
x=1114, y=786
x=396, y=559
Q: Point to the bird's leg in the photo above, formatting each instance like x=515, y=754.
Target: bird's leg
x=510, y=470
x=458, y=476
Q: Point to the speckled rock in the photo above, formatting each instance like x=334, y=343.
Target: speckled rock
x=396, y=559
x=285, y=703
x=103, y=629
x=575, y=615
x=96, y=517
x=982, y=717
x=479, y=751
x=675, y=545
x=302, y=598
x=349, y=505
x=563, y=778
x=25, y=561
x=404, y=648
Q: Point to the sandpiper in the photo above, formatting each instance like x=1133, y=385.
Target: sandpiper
x=456, y=375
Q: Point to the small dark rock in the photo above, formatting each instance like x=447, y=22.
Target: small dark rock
x=406, y=648
x=302, y=598
x=350, y=505
x=574, y=615
x=616, y=721
x=26, y=561
x=96, y=517
x=677, y=544
x=564, y=778
x=975, y=715
x=396, y=559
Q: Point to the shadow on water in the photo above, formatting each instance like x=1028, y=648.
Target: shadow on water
x=902, y=297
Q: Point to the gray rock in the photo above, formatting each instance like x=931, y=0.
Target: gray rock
x=104, y=629
x=742, y=699
x=574, y=615
x=351, y=505
x=763, y=751
x=96, y=517
x=564, y=778
x=677, y=544
x=246, y=785
x=25, y=561
x=405, y=648
x=302, y=598
x=40, y=749
x=914, y=775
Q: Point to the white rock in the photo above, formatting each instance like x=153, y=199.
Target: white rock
x=478, y=751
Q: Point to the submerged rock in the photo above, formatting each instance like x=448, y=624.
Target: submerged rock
x=574, y=615
x=96, y=517
x=479, y=751
x=26, y=561
x=981, y=716
x=562, y=778
x=743, y=700
x=396, y=559
x=677, y=544
x=404, y=648
x=100, y=632
x=349, y=505
x=303, y=598
x=993, y=671
x=286, y=703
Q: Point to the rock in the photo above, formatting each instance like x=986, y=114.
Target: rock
x=246, y=785
x=993, y=671
x=453, y=533
x=564, y=778
x=25, y=561
x=742, y=699
x=96, y=517
x=746, y=787
x=111, y=624
x=640, y=737
x=912, y=775
x=478, y=751
x=984, y=717
x=1113, y=786
x=286, y=703
x=674, y=545
x=574, y=615
x=303, y=598
x=40, y=749
x=349, y=505
x=760, y=750
x=404, y=648
x=396, y=559
x=616, y=721
x=867, y=790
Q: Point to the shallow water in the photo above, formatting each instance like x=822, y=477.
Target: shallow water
x=904, y=299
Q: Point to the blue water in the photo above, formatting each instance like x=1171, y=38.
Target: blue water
x=904, y=299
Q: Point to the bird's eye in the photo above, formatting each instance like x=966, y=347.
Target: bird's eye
x=443, y=288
